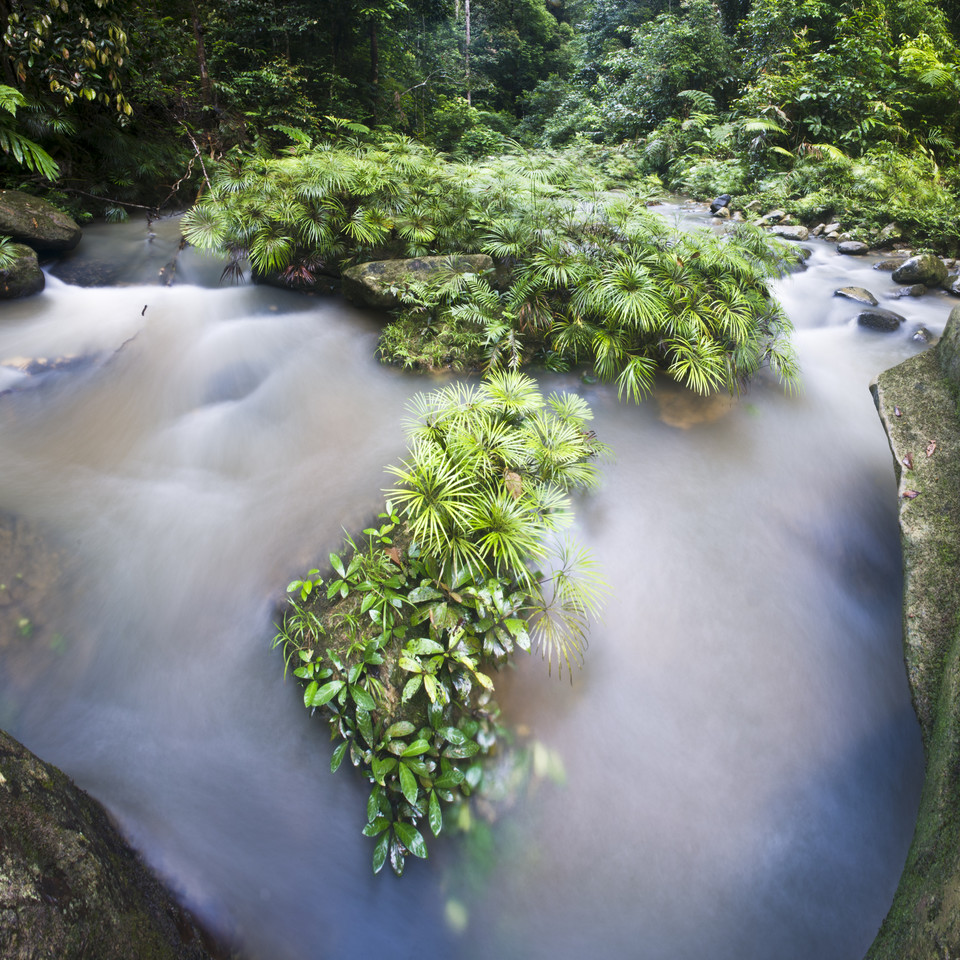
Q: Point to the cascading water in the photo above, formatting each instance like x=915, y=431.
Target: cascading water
x=742, y=763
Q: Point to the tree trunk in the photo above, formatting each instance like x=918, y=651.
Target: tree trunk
x=374, y=67
x=466, y=11
x=206, y=86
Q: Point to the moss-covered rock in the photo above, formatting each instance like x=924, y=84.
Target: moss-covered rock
x=376, y=284
x=917, y=401
x=925, y=268
x=23, y=277
x=70, y=887
x=36, y=223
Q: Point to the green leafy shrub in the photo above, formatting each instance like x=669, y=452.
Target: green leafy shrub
x=396, y=648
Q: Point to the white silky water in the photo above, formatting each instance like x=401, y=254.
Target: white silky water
x=742, y=762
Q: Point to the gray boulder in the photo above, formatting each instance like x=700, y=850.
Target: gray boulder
x=852, y=248
x=71, y=887
x=952, y=284
x=722, y=201
x=889, y=264
x=857, y=294
x=23, y=277
x=914, y=290
x=791, y=232
x=36, y=223
x=876, y=318
x=774, y=216
x=925, y=268
x=377, y=284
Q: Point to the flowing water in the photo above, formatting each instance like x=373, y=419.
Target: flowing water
x=742, y=765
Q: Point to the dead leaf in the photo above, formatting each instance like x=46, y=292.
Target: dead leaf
x=896, y=411
x=910, y=494
x=514, y=483
x=931, y=446
x=394, y=554
x=907, y=461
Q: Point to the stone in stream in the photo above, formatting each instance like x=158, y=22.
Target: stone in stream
x=852, y=248
x=858, y=294
x=914, y=290
x=876, y=318
x=952, y=284
x=889, y=264
x=925, y=268
x=36, y=223
x=791, y=232
x=922, y=335
x=23, y=277
x=722, y=201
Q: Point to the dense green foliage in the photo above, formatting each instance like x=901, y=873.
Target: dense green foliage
x=593, y=277
x=396, y=648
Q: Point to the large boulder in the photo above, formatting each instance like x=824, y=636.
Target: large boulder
x=70, y=887
x=796, y=232
x=858, y=295
x=36, y=223
x=378, y=283
x=852, y=248
x=24, y=276
x=720, y=202
x=925, y=268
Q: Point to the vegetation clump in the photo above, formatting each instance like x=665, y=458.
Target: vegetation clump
x=594, y=277
x=397, y=648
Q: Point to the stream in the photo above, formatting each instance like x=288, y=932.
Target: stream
x=741, y=763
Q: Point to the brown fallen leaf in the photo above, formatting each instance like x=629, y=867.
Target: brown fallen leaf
x=896, y=411
x=910, y=494
x=514, y=483
x=394, y=554
x=931, y=446
x=907, y=461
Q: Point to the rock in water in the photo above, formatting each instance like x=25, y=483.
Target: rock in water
x=722, y=201
x=925, y=268
x=36, y=223
x=879, y=319
x=791, y=232
x=858, y=294
x=852, y=248
x=24, y=276
x=70, y=887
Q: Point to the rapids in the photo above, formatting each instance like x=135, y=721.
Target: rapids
x=742, y=764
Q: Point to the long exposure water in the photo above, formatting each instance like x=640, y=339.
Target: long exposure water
x=742, y=765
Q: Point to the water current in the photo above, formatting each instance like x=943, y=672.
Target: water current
x=742, y=765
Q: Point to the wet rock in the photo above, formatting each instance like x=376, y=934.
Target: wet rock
x=23, y=277
x=737, y=217
x=774, y=216
x=832, y=228
x=791, y=232
x=818, y=230
x=832, y=235
x=36, y=223
x=378, y=283
x=914, y=290
x=71, y=887
x=858, y=294
x=853, y=248
x=723, y=213
x=753, y=206
x=889, y=264
x=720, y=202
x=86, y=273
x=876, y=318
x=922, y=335
x=952, y=284
x=682, y=408
x=926, y=268
x=890, y=232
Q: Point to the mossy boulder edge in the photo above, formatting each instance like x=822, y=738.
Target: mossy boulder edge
x=70, y=886
x=917, y=402
x=37, y=223
x=23, y=277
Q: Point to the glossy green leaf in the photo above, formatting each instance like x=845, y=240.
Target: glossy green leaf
x=326, y=693
x=365, y=725
x=453, y=735
x=361, y=698
x=408, y=784
x=309, y=693
x=467, y=749
x=411, y=838
x=380, y=852
x=376, y=826
x=411, y=687
x=338, y=756
x=416, y=748
x=402, y=728
x=435, y=816
x=423, y=593
x=337, y=564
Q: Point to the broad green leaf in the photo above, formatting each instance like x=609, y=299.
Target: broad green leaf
x=421, y=594
x=453, y=735
x=410, y=837
x=361, y=698
x=396, y=857
x=364, y=725
x=308, y=694
x=381, y=766
x=338, y=756
x=327, y=692
x=430, y=685
x=413, y=666
x=411, y=687
x=380, y=852
x=376, y=827
x=467, y=749
x=402, y=728
x=436, y=817
x=452, y=778
x=337, y=564
x=408, y=784
x=416, y=748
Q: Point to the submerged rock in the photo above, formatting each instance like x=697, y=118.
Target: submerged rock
x=71, y=887
x=889, y=264
x=36, y=223
x=791, y=232
x=23, y=277
x=858, y=294
x=914, y=290
x=925, y=268
x=377, y=284
x=879, y=319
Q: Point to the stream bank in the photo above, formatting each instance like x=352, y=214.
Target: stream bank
x=917, y=402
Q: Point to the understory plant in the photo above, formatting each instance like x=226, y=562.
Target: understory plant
x=399, y=645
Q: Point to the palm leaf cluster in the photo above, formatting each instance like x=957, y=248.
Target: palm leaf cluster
x=486, y=489
x=594, y=277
